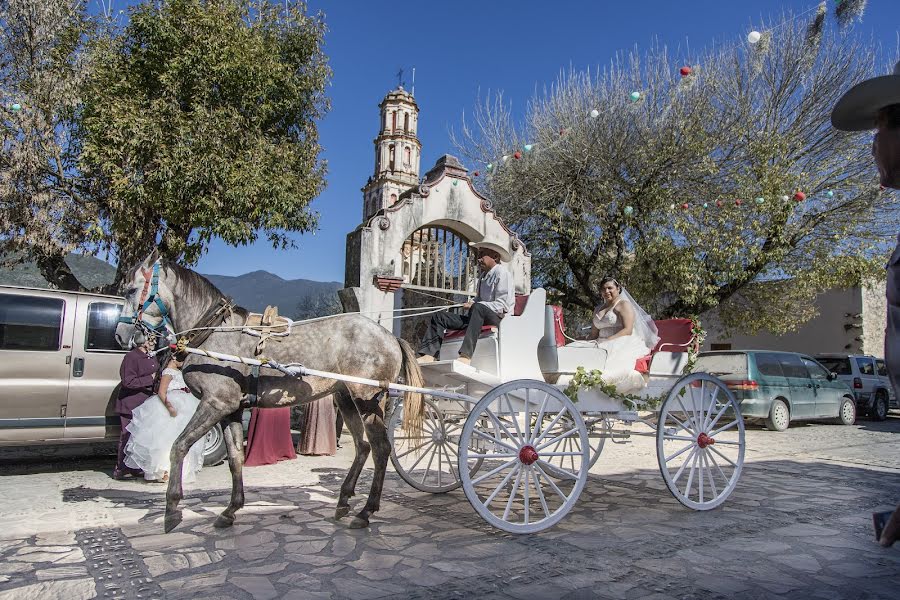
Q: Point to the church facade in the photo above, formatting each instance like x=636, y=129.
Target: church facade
x=412, y=247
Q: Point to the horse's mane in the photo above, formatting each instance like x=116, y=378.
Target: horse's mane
x=198, y=287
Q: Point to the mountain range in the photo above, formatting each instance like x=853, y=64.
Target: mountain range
x=295, y=298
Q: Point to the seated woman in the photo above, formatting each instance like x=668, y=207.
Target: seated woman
x=625, y=331
x=156, y=424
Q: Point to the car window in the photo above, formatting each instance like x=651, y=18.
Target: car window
x=101, y=330
x=866, y=366
x=816, y=371
x=768, y=364
x=793, y=366
x=882, y=368
x=839, y=365
x=30, y=322
x=722, y=363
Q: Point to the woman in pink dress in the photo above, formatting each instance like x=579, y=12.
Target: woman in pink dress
x=318, y=435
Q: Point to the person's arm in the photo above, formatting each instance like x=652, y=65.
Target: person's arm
x=163, y=392
x=134, y=373
x=626, y=313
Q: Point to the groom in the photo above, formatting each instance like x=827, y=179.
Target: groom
x=496, y=297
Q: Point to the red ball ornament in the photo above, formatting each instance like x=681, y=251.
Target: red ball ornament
x=685, y=206
x=719, y=203
x=738, y=202
x=475, y=174
x=517, y=155
x=685, y=71
x=799, y=196
x=562, y=132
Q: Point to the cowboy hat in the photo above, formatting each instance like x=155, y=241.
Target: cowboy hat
x=503, y=252
x=858, y=108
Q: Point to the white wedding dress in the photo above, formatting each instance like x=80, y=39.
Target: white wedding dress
x=622, y=352
x=153, y=431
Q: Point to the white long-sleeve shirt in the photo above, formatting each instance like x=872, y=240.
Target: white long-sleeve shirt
x=496, y=290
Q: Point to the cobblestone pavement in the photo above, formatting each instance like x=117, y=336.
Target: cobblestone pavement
x=798, y=525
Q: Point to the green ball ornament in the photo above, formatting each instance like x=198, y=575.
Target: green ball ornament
x=490, y=167
x=635, y=96
x=628, y=210
x=528, y=147
x=705, y=205
x=830, y=194
x=16, y=107
x=760, y=200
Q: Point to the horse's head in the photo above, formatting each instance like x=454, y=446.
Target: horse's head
x=148, y=302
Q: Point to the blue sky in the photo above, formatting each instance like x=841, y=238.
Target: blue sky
x=459, y=48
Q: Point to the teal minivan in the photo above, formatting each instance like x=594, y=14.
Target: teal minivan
x=780, y=387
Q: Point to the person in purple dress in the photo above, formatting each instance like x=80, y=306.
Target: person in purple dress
x=138, y=373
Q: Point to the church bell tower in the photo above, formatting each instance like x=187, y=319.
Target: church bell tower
x=397, y=152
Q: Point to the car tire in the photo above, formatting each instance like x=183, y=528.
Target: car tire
x=879, y=411
x=779, y=418
x=846, y=412
x=214, y=450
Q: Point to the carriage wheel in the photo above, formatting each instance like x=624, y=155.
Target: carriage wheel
x=517, y=489
x=597, y=434
x=429, y=461
x=700, y=441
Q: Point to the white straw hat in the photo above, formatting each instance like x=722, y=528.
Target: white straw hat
x=858, y=108
x=503, y=252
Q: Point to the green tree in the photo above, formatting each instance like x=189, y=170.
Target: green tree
x=43, y=202
x=683, y=186
x=199, y=122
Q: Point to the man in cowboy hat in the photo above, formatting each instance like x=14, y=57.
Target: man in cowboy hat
x=875, y=104
x=138, y=372
x=496, y=297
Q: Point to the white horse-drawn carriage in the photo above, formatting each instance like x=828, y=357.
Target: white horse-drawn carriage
x=527, y=447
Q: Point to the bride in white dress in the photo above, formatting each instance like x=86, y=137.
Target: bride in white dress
x=156, y=424
x=625, y=331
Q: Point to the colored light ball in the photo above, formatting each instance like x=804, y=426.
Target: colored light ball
x=562, y=132
x=719, y=203
x=517, y=155
x=799, y=196
x=505, y=157
x=671, y=207
x=476, y=174
x=685, y=71
x=754, y=36
x=760, y=200
x=635, y=96
x=685, y=206
x=16, y=107
x=628, y=210
x=705, y=205
x=528, y=147
x=830, y=194
x=490, y=167
x=738, y=202
x=785, y=198
x=595, y=113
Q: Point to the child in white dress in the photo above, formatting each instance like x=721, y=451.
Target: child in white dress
x=157, y=423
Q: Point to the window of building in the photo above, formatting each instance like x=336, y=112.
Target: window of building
x=391, y=154
x=407, y=156
x=30, y=322
x=720, y=346
x=394, y=121
x=101, y=330
x=406, y=122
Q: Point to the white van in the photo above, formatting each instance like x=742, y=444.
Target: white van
x=59, y=369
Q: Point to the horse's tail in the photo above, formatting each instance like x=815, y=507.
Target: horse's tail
x=413, y=406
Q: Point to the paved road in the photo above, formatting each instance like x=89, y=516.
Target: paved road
x=797, y=526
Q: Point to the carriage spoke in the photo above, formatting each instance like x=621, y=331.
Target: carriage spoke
x=549, y=480
x=687, y=414
x=685, y=464
x=537, y=486
x=513, y=417
x=492, y=456
x=423, y=444
x=721, y=472
x=527, y=422
x=557, y=438
x=701, y=467
x=481, y=478
x=525, y=493
x=486, y=436
x=561, y=454
x=428, y=468
x=723, y=428
x=725, y=458
x=712, y=482
x=691, y=445
x=690, y=482
x=540, y=417
x=678, y=438
x=680, y=424
x=557, y=469
x=502, y=484
x=504, y=429
x=512, y=494
x=719, y=415
x=712, y=405
x=549, y=427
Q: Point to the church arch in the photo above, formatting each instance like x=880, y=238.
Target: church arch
x=437, y=258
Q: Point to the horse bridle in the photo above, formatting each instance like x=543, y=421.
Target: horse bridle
x=149, y=297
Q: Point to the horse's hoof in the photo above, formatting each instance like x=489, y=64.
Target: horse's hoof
x=223, y=522
x=173, y=519
x=341, y=512
x=358, y=523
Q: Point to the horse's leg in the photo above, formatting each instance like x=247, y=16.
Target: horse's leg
x=354, y=423
x=202, y=421
x=234, y=443
x=376, y=431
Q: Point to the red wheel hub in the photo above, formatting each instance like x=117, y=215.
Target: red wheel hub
x=528, y=455
x=704, y=440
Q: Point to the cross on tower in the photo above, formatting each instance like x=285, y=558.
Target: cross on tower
x=400, y=78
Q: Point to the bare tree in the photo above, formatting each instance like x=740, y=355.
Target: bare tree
x=684, y=183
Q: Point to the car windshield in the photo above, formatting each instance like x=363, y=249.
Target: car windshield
x=838, y=365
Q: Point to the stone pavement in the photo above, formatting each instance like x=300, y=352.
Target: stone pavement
x=798, y=525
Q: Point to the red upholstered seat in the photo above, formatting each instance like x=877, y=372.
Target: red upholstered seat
x=521, y=301
x=674, y=336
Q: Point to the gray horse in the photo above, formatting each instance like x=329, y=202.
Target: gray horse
x=347, y=344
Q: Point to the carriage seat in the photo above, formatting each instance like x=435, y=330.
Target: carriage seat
x=508, y=350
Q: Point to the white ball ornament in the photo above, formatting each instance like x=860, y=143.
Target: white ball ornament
x=785, y=198
x=753, y=37
x=595, y=113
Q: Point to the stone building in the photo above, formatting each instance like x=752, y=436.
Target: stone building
x=850, y=320
x=412, y=247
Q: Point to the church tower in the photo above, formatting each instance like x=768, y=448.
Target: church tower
x=397, y=152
